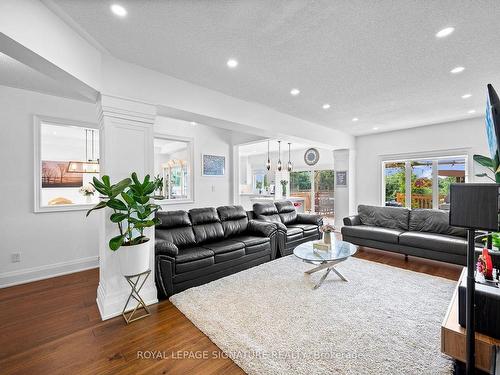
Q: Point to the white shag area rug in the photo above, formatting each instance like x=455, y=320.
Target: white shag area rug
x=269, y=320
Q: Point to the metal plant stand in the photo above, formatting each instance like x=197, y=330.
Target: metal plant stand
x=136, y=284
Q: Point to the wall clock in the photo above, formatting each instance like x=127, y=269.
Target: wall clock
x=311, y=156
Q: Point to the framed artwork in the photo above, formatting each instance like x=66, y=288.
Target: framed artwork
x=341, y=178
x=213, y=165
x=55, y=175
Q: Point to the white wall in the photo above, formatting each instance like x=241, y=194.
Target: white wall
x=458, y=137
x=208, y=191
x=49, y=243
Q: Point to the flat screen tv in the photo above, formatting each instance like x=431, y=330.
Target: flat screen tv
x=493, y=122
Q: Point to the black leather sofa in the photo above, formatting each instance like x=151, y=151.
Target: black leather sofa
x=293, y=228
x=420, y=232
x=204, y=244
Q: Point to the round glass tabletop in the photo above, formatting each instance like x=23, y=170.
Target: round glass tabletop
x=339, y=250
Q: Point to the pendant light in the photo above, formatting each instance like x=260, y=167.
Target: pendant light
x=279, y=156
x=268, y=164
x=289, y=165
x=90, y=165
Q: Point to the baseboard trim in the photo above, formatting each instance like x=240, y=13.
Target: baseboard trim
x=28, y=275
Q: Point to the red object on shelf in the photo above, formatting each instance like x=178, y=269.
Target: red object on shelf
x=297, y=204
x=489, y=264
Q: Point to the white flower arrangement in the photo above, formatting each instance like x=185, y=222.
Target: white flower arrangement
x=87, y=190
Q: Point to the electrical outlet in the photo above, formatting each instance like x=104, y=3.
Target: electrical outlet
x=15, y=257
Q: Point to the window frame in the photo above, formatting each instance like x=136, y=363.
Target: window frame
x=38, y=120
x=190, y=142
x=408, y=158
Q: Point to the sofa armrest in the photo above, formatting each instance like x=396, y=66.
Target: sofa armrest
x=262, y=228
x=352, y=220
x=309, y=219
x=163, y=247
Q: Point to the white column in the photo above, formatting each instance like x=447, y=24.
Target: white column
x=345, y=203
x=126, y=146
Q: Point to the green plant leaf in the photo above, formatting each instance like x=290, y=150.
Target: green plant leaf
x=98, y=206
x=116, y=242
x=100, y=187
x=128, y=199
x=116, y=204
x=135, y=179
x=106, y=181
x=118, y=217
x=484, y=161
x=119, y=187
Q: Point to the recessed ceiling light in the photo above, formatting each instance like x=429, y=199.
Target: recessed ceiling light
x=295, y=92
x=193, y=123
x=354, y=119
x=466, y=96
x=375, y=128
x=445, y=32
x=458, y=69
x=471, y=111
x=232, y=63
x=326, y=106
x=118, y=10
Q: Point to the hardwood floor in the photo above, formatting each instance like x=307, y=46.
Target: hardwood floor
x=53, y=327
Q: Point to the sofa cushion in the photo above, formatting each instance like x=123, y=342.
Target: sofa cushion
x=173, y=219
x=287, y=212
x=370, y=232
x=258, y=247
x=293, y=234
x=206, y=224
x=434, y=221
x=304, y=227
x=204, y=215
x=250, y=240
x=234, y=220
x=224, y=246
x=266, y=211
x=437, y=242
x=386, y=217
x=175, y=228
x=193, y=253
x=229, y=255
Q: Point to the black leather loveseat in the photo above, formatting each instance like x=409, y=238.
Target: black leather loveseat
x=204, y=244
x=293, y=228
x=420, y=232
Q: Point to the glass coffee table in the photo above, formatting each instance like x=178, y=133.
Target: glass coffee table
x=325, y=259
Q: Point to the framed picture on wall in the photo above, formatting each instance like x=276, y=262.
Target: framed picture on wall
x=341, y=178
x=213, y=165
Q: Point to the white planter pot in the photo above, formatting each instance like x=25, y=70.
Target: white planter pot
x=134, y=259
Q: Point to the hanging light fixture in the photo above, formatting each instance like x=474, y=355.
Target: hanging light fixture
x=90, y=165
x=279, y=156
x=289, y=165
x=268, y=164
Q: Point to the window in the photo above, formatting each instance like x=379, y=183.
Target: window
x=422, y=183
x=173, y=169
x=66, y=160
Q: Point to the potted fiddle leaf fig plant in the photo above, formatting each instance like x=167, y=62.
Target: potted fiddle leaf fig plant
x=133, y=212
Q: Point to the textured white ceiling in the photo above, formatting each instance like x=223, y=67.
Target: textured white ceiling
x=376, y=60
x=15, y=74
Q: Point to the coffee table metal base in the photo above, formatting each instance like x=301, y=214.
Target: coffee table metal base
x=329, y=265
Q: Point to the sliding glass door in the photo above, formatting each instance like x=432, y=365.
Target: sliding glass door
x=422, y=183
x=316, y=187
